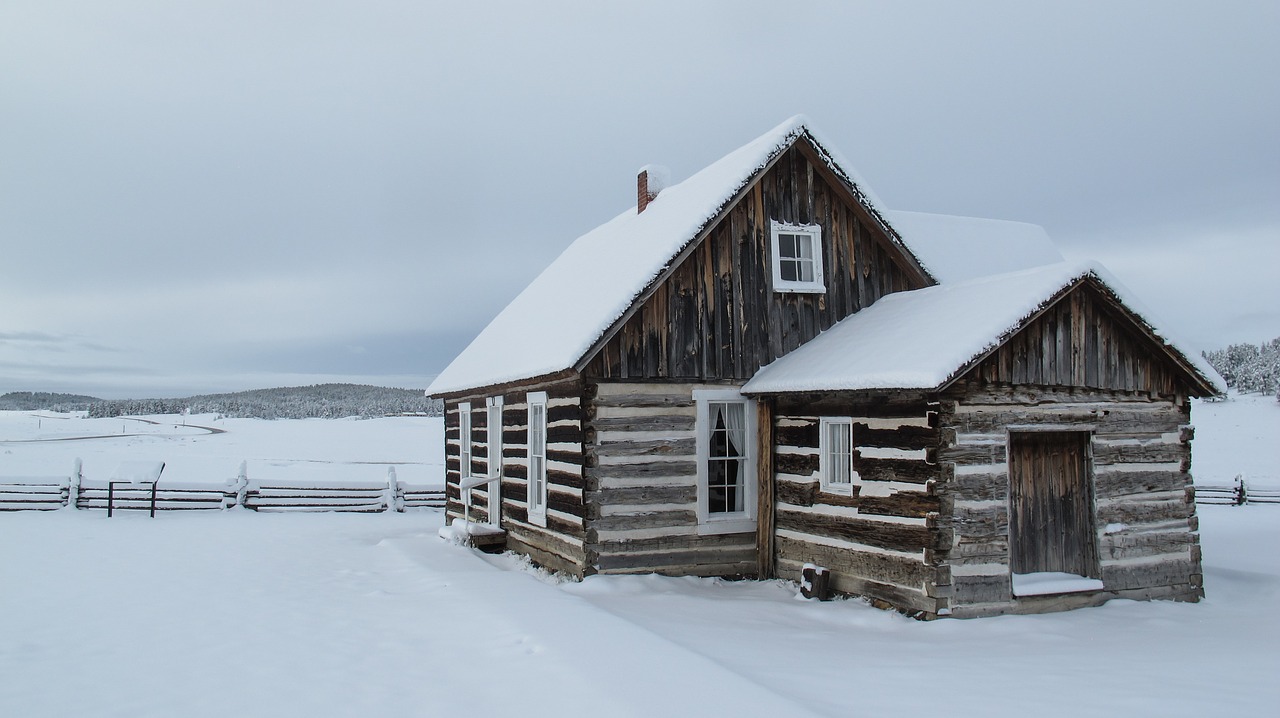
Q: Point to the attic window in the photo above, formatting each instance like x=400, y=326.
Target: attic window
x=797, y=258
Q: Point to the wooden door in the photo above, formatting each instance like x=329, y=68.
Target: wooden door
x=1051, y=525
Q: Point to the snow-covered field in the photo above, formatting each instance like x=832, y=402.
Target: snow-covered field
x=236, y=613
x=205, y=448
x=1237, y=437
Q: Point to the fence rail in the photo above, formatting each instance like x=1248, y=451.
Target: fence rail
x=34, y=493
x=45, y=493
x=1237, y=494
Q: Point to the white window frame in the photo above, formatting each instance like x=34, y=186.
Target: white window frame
x=464, y=456
x=828, y=464
x=536, y=493
x=740, y=521
x=814, y=233
x=493, y=406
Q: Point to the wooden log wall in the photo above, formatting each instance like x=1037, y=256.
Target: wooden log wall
x=641, y=486
x=880, y=541
x=717, y=318
x=1140, y=459
x=560, y=544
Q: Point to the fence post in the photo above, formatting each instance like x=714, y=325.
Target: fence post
x=1242, y=494
x=242, y=484
x=73, y=486
x=394, y=498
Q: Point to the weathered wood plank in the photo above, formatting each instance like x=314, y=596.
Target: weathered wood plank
x=867, y=565
x=1141, y=512
x=797, y=464
x=898, y=537
x=903, y=470
x=1124, y=483
x=1105, y=454
x=653, y=447
x=646, y=520
x=668, y=422
x=641, y=495
x=642, y=469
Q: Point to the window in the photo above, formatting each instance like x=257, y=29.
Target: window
x=835, y=449
x=464, y=441
x=797, y=258
x=493, y=406
x=726, y=462
x=493, y=426
x=464, y=457
x=537, y=458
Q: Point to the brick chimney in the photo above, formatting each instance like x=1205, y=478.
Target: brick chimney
x=651, y=180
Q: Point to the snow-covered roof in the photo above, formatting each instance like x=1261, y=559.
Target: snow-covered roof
x=923, y=339
x=556, y=320
x=954, y=249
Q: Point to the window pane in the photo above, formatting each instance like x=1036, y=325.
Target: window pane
x=839, y=456
x=804, y=246
x=787, y=246
x=798, y=259
x=804, y=268
x=789, y=270
x=495, y=440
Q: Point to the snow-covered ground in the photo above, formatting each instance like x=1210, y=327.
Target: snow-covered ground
x=205, y=448
x=236, y=613
x=1237, y=437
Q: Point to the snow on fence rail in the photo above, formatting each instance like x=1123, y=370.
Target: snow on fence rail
x=33, y=493
x=25, y=493
x=1238, y=494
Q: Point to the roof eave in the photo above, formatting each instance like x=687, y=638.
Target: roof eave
x=530, y=383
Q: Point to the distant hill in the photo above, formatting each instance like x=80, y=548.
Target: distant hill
x=328, y=401
x=33, y=400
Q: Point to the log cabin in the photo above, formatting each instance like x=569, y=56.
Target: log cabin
x=762, y=369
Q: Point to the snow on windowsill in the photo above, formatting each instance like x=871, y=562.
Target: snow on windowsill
x=1052, y=582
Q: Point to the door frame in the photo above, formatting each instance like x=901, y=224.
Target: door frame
x=1089, y=539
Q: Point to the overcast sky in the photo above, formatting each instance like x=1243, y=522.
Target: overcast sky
x=205, y=196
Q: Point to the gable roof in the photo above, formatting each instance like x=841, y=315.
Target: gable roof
x=954, y=249
x=927, y=338
x=575, y=302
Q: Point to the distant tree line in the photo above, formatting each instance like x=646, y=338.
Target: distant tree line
x=324, y=401
x=1249, y=368
x=35, y=400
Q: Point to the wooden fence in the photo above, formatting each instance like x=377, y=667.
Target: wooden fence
x=26, y=493
x=1237, y=494
x=34, y=493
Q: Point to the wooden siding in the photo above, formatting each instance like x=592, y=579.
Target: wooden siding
x=560, y=544
x=1083, y=340
x=641, y=482
x=1144, y=512
x=716, y=317
x=878, y=542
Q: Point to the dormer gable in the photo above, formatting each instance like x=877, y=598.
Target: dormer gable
x=795, y=252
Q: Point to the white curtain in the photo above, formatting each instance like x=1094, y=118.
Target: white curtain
x=735, y=424
x=735, y=420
